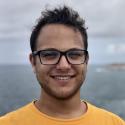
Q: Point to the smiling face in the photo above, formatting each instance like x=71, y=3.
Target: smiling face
x=62, y=80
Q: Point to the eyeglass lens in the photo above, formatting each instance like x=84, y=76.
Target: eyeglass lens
x=53, y=56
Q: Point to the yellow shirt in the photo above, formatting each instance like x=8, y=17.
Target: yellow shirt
x=30, y=115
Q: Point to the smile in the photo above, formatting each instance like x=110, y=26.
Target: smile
x=62, y=77
x=59, y=77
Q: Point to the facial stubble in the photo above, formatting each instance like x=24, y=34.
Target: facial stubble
x=50, y=92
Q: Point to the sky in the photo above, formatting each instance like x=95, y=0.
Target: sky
x=105, y=21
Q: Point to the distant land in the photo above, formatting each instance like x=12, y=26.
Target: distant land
x=115, y=66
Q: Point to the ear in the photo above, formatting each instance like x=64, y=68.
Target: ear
x=87, y=58
x=32, y=61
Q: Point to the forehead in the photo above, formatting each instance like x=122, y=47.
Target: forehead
x=60, y=37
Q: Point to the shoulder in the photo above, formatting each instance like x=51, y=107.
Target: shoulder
x=14, y=116
x=104, y=115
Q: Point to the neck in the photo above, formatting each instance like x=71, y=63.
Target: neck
x=67, y=108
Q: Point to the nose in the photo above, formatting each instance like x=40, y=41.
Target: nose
x=63, y=64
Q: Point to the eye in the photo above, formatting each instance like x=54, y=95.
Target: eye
x=49, y=54
x=75, y=54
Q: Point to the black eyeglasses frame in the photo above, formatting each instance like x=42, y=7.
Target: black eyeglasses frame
x=62, y=53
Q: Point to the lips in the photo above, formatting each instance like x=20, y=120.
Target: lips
x=62, y=77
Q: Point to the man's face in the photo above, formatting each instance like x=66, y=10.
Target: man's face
x=62, y=80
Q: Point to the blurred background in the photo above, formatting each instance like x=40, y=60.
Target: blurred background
x=104, y=85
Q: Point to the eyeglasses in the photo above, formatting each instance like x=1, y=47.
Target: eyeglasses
x=53, y=56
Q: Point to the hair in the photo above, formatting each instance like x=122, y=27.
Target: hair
x=62, y=15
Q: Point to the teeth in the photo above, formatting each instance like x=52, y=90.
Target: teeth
x=62, y=77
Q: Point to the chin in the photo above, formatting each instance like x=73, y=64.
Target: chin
x=63, y=93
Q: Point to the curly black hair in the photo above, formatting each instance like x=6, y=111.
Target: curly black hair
x=62, y=15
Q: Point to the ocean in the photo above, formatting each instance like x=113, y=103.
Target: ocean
x=104, y=86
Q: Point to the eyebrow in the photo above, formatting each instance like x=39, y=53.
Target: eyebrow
x=61, y=50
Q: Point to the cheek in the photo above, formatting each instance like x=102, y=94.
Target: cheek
x=43, y=72
x=82, y=71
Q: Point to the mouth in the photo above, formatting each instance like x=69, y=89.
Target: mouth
x=62, y=77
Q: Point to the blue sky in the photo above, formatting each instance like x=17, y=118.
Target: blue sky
x=105, y=21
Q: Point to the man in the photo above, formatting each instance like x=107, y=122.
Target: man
x=59, y=60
